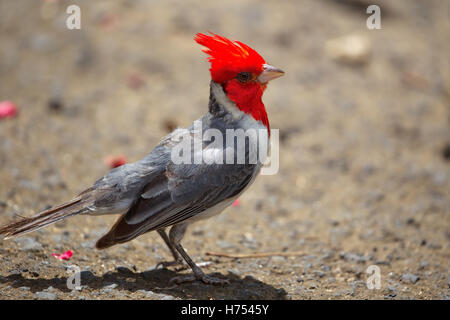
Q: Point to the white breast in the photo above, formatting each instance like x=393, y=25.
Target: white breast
x=245, y=121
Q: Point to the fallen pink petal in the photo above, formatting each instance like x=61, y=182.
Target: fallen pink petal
x=63, y=256
x=135, y=81
x=7, y=109
x=109, y=21
x=115, y=161
x=236, y=203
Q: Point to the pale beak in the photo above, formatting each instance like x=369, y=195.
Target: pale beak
x=269, y=73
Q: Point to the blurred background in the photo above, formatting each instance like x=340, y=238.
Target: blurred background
x=363, y=116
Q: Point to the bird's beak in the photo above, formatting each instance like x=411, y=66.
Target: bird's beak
x=269, y=73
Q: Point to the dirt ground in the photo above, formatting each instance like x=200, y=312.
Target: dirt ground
x=364, y=175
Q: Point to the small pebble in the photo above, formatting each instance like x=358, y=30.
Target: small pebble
x=409, y=277
x=351, y=49
x=45, y=295
x=24, y=288
x=424, y=264
x=111, y=286
x=224, y=244
x=28, y=243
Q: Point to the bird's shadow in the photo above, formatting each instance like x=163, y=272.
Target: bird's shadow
x=157, y=281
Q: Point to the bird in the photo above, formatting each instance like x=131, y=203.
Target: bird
x=159, y=191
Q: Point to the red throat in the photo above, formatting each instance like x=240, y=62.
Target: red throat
x=248, y=98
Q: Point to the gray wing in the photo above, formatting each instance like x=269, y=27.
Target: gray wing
x=178, y=194
x=186, y=190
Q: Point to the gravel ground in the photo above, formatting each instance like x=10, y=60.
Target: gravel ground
x=364, y=173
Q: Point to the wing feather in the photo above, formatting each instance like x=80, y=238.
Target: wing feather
x=177, y=201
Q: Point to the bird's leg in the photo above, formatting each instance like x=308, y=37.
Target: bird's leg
x=175, y=235
x=177, y=260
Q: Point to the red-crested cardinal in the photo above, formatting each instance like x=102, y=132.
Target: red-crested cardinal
x=157, y=192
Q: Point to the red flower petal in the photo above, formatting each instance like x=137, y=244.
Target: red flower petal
x=7, y=109
x=135, y=81
x=236, y=203
x=64, y=256
x=109, y=21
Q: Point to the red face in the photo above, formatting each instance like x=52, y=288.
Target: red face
x=241, y=71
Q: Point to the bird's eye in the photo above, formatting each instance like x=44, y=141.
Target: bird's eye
x=244, y=77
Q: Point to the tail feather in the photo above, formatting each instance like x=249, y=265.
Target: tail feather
x=76, y=206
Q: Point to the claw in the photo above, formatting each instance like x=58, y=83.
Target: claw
x=165, y=264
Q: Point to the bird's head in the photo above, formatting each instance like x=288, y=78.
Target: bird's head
x=241, y=71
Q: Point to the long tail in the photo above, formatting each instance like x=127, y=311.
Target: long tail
x=75, y=206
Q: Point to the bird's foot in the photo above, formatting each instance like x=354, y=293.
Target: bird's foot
x=165, y=264
x=201, y=277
